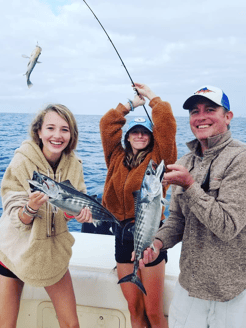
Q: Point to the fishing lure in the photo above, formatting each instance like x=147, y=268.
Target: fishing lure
x=118, y=55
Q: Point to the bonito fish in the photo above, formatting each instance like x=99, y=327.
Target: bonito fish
x=31, y=64
x=148, y=211
x=70, y=200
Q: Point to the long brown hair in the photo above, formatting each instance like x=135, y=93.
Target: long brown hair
x=130, y=160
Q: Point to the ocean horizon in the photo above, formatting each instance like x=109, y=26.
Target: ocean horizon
x=15, y=126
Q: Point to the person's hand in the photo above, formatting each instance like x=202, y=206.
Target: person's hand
x=149, y=255
x=138, y=101
x=144, y=90
x=85, y=216
x=37, y=199
x=179, y=176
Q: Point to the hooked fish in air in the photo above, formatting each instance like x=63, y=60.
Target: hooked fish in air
x=31, y=64
x=148, y=210
x=70, y=200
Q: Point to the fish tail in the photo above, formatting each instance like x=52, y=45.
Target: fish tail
x=29, y=83
x=135, y=280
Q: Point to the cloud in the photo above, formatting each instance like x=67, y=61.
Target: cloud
x=174, y=47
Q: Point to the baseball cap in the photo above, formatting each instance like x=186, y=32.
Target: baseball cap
x=141, y=122
x=212, y=93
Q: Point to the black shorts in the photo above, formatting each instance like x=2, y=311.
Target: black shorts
x=123, y=253
x=124, y=246
x=6, y=272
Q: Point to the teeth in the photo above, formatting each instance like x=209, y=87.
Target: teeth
x=56, y=143
x=203, y=126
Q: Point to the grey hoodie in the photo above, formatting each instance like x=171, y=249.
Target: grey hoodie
x=211, y=221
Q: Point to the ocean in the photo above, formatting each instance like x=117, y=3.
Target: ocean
x=14, y=129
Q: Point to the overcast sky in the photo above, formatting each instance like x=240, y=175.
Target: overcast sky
x=175, y=47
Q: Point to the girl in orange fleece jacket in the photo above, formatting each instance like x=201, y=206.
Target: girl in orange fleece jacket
x=126, y=168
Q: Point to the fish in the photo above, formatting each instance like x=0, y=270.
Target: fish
x=64, y=196
x=203, y=90
x=32, y=62
x=148, y=210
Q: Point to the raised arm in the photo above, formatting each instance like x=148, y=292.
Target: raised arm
x=164, y=126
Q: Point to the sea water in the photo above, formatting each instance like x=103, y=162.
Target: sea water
x=14, y=129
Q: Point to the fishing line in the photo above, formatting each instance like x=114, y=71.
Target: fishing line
x=118, y=56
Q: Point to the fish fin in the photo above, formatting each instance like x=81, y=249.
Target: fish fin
x=95, y=223
x=164, y=202
x=146, y=199
x=135, y=280
x=25, y=56
x=66, y=195
x=153, y=247
x=105, y=216
x=38, y=62
x=67, y=183
x=29, y=83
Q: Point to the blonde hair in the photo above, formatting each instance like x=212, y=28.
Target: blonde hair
x=66, y=114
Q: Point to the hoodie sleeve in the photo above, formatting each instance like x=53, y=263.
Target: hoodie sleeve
x=111, y=131
x=14, y=196
x=164, y=131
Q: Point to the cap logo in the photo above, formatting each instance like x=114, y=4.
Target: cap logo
x=203, y=90
x=139, y=120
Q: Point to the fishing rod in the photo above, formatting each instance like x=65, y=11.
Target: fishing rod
x=118, y=56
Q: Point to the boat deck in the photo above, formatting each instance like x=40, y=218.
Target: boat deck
x=100, y=302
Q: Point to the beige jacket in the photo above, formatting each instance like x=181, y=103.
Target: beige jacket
x=26, y=249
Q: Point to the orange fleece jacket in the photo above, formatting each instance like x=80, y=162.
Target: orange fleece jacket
x=120, y=182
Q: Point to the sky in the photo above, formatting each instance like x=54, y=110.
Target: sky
x=175, y=47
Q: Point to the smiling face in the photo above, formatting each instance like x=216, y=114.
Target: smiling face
x=207, y=120
x=139, y=138
x=55, y=135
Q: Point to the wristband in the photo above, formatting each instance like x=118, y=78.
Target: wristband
x=131, y=105
x=30, y=210
x=67, y=216
x=26, y=211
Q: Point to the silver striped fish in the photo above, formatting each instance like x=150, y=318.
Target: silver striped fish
x=33, y=60
x=70, y=200
x=148, y=210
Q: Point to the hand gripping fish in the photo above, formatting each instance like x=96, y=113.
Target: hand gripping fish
x=70, y=200
x=31, y=64
x=148, y=211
